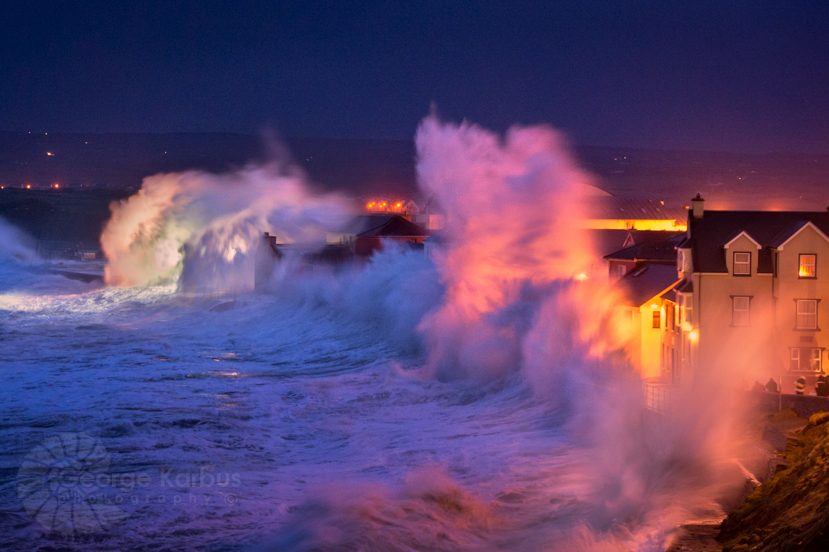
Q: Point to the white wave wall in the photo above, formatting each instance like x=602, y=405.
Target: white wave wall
x=17, y=251
x=204, y=228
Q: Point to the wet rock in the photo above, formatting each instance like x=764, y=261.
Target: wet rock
x=789, y=511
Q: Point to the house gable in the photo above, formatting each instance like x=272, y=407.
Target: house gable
x=796, y=231
x=741, y=234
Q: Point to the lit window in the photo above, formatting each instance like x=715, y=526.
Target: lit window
x=742, y=264
x=622, y=269
x=740, y=314
x=808, y=268
x=806, y=314
x=805, y=359
x=814, y=360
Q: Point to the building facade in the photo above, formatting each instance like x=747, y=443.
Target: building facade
x=753, y=294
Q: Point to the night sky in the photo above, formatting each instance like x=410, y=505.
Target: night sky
x=735, y=76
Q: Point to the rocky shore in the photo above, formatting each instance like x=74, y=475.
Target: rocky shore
x=789, y=511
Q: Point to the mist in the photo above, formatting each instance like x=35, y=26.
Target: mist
x=204, y=228
x=475, y=397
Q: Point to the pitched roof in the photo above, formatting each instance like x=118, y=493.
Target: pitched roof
x=770, y=229
x=363, y=223
x=631, y=208
x=606, y=242
x=736, y=234
x=793, y=229
x=395, y=227
x=664, y=250
x=645, y=281
x=685, y=286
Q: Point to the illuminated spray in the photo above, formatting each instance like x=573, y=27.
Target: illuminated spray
x=516, y=295
x=512, y=242
x=519, y=298
x=204, y=228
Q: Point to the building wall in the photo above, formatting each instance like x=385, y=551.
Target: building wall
x=651, y=340
x=707, y=342
x=789, y=287
x=671, y=350
x=721, y=345
x=617, y=269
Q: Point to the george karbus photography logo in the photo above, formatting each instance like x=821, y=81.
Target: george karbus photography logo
x=64, y=485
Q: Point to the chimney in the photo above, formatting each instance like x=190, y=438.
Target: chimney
x=696, y=206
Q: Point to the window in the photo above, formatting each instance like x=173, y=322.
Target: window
x=806, y=314
x=740, y=315
x=622, y=269
x=808, y=266
x=657, y=318
x=683, y=260
x=805, y=359
x=689, y=315
x=742, y=264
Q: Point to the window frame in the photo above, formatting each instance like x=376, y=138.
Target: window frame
x=734, y=264
x=799, y=355
x=800, y=266
x=797, y=315
x=656, y=319
x=747, y=310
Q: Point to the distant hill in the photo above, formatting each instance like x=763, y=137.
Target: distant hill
x=358, y=167
x=119, y=161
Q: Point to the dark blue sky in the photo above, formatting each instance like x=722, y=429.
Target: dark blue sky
x=739, y=76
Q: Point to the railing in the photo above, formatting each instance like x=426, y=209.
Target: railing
x=658, y=397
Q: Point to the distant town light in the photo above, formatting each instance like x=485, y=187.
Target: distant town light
x=57, y=185
x=28, y=186
x=50, y=153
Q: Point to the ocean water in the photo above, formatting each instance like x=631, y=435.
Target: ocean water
x=474, y=399
x=288, y=421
